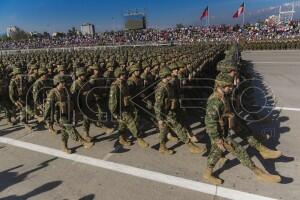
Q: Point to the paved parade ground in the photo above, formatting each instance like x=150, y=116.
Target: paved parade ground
x=32, y=167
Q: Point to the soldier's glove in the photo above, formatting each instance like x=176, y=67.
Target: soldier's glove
x=160, y=124
x=149, y=105
x=126, y=100
x=173, y=104
x=220, y=144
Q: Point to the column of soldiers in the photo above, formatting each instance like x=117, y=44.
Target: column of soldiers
x=128, y=88
x=272, y=44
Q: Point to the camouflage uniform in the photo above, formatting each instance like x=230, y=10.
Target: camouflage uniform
x=60, y=100
x=165, y=108
x=18, y=93
x=123, y=110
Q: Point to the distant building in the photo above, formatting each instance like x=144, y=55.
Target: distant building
x=12, y=30
x=87, y=29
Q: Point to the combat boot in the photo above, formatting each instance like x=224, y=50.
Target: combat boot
x=64, y=147
x=87, y=137
x=172, y=138
x=123, y=141
x=164, y=150
x=109, y=130
x=263, y=176
x=28, y=127
x=10, y=123
x=142, y=143
x=222, y=162
x=87, y=145
x=267, y=153
x=38, y=118
x=52, y=130
x=195, y=149
x=210, y=178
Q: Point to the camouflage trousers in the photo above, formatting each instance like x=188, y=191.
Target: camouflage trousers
x=101, y=113
x=7, y=107
x=68, y=130
x=26, y=112
x=128, y=120
x=233, y=147
x=243, y=131
x=171, y=123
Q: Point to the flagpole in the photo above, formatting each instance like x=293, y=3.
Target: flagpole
x=244, y=14
x=208, y=16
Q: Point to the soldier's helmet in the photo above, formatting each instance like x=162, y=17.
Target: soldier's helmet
x=164, y=72
x=226, y=66
x=60, y=68
x=145, y=64
x=80, y=71
x=134, y=68
x=17, y=71
x=118, y=72
x=224, y=80
x=94, y=67
x=173, y=66
x=42, y=71
x=59, y=79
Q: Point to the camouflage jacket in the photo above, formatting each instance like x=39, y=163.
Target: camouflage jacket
x=59, y=101
x=119, y=98
x=216, y=110
x=18, y=90
x=165, y=101
x=41, y=88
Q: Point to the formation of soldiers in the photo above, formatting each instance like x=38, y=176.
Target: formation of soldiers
x=128, y=88
x=281, y=44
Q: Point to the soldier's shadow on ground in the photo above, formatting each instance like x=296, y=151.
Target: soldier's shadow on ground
x=8, y=130
x=272, y=130
x=8, y=178
x=88, y=197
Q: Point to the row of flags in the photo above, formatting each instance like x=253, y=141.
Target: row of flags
x=238, y=13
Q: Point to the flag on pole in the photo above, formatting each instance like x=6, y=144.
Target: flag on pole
x=205, y=13
x=239, y=11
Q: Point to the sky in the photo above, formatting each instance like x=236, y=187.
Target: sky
x=60, y=15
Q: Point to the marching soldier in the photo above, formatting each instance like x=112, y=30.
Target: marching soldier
x=218, y=122
x=59, y=98
x=122, y=109
x=165, y=111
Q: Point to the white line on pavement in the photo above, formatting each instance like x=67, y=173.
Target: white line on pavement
x=276, y=62
x=141, y=173
x=283, y=108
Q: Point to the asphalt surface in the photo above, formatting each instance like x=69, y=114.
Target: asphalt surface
x=29, y=174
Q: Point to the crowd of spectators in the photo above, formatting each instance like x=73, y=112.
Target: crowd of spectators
x=171, y=35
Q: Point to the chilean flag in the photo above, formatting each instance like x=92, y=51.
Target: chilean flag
x=239, y=11
x=205, y=13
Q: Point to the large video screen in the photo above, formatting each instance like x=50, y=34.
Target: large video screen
x=134, y=22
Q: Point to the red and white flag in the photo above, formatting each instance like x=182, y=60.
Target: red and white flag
x=239, y=11
x=205, y=13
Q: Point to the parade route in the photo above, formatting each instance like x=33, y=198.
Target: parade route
x=33, y=167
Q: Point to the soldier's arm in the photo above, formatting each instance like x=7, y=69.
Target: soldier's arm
x=35, y=91
x=113, y=100
x=49, y=104
x=159, y=104
x=213, y=113
x=12, y=95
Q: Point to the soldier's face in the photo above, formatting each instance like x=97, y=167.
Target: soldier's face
x=123, y=77
x=96, y=72
x=232, y=73
x=137, y=73
x=61, y=86
x=82, y=77
x=175, y=72
x=227, y=89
